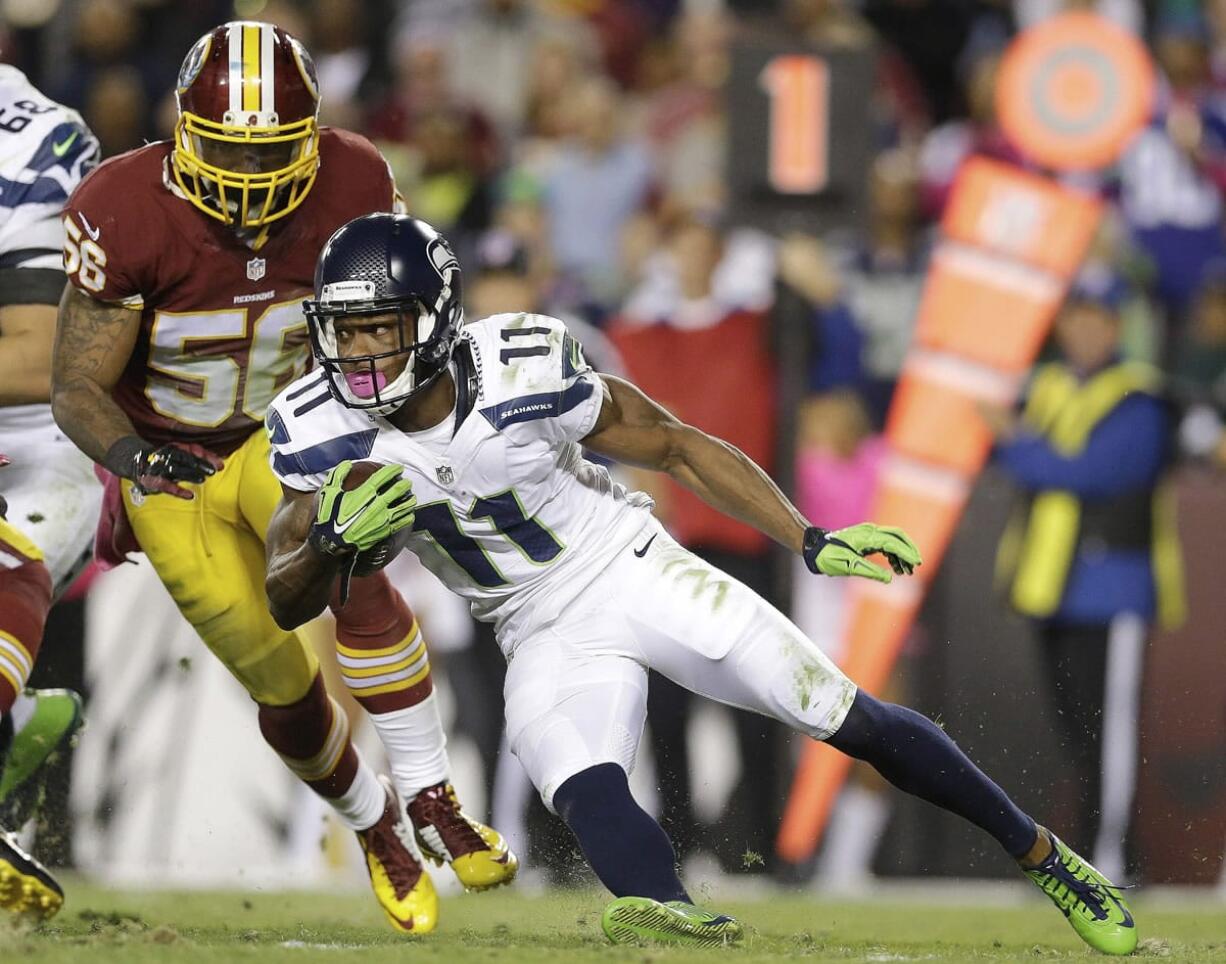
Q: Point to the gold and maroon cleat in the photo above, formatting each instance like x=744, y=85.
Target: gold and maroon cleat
x=400, y=882
x=478, y=854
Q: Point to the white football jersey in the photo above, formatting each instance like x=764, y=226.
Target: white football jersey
x=45, y=151
x=510, y=514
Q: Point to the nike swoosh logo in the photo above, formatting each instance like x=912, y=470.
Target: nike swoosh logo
x=642, y=552
x=342, y=526
x=92, y=231
x=1124, y=918
x=60, y=149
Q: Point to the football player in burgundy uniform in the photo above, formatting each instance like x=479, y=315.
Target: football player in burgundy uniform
x=188, y=262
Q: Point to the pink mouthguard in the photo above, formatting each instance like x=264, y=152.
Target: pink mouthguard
x=363, y=385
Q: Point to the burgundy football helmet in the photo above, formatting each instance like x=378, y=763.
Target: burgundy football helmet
x=247, y=139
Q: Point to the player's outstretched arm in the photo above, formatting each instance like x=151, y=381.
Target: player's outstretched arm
x=93, y=342
x=634, y=429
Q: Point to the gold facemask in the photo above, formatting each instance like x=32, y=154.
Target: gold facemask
x=286, y=157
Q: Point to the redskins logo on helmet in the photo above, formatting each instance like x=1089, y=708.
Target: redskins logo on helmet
x=247, y=140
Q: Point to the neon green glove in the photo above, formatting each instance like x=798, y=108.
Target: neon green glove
x=348, y=522
x=841, y=552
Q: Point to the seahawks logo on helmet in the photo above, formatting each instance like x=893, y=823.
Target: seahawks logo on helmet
x=441, y=256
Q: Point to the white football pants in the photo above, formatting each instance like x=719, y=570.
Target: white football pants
x=576, y=687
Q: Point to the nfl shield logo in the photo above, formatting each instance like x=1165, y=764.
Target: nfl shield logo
x=445, y=475
x=255, y=269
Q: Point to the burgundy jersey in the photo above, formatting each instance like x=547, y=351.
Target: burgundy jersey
x=222, y=329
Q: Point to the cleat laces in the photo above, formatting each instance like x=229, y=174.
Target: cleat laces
x=1066, y=883
x=395, y=849
x=438, y=807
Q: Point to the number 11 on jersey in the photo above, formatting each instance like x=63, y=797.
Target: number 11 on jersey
x=527, y=534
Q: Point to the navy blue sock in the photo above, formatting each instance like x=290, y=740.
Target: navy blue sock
x=629, y=851
x=917, y=756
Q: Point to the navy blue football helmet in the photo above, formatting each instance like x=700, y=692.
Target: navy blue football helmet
x=382, y=264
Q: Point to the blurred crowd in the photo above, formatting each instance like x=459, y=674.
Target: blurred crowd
x=590, y=137
x=574, y=152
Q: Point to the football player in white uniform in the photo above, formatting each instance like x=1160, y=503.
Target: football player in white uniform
x=481, y=430
x=49, y=498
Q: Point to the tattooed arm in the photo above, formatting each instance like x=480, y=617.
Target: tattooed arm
x=93, y=342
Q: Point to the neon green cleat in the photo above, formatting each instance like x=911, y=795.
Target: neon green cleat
x=632, y=920
x=56, y=719
x=1090, y=901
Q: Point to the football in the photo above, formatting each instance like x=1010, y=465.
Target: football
x=375, y=558
x=359, y=472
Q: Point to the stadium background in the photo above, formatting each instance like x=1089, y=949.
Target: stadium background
x=484, y=110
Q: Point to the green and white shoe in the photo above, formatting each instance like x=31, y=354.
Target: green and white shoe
x=56, y=719
x=634, y=920
x=1090, y=901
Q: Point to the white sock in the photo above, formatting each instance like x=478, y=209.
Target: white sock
x=361, y=806
x=416, y=746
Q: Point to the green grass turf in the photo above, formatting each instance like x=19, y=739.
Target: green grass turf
x=126, y=927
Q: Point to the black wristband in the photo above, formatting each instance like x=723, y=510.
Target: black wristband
x=124, y=458
x=814, y=540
